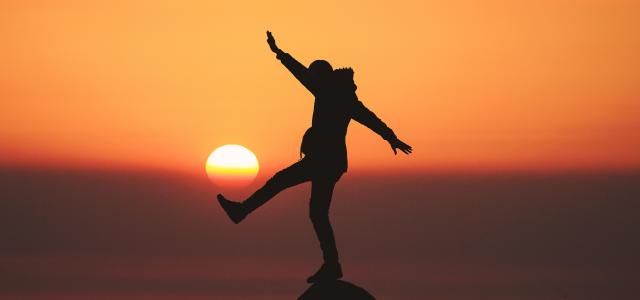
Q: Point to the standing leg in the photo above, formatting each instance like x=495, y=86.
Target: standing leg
x=321, y=193
x=293, y=175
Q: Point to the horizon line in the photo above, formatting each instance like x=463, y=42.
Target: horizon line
x=355, y=170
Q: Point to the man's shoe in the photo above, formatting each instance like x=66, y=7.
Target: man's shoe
x=327, y=272
x=234, y=210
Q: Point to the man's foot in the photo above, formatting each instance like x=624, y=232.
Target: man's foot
x=327, y=272
x=234, y=210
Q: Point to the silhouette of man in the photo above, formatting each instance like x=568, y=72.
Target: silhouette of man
x=324, y=148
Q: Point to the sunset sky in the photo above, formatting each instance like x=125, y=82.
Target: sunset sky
x=490, y=85
x=524, y=117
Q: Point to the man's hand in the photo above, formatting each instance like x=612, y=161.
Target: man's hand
x=398, y=144
x=272, y=42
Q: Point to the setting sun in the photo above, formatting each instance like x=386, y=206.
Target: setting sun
x=232, y=166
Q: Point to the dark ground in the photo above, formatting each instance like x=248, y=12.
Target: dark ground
x=138, y=235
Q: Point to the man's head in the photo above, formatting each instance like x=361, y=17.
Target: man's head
x=320, y=69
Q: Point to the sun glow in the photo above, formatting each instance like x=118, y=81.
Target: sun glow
x=232, y=166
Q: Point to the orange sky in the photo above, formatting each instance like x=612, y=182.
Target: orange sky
x=485, y=85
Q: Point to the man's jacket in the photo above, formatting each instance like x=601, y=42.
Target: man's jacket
x=336, y=103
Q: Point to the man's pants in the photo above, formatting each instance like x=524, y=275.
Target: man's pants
x=321, y=192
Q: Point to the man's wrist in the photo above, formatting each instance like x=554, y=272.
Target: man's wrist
x=390, y=136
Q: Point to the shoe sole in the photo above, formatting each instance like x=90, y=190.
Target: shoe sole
x=324, y=279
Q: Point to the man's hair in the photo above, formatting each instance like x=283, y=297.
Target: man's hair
x=320, y=67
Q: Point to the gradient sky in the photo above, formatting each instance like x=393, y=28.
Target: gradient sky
x=488, y=86
x=471, y=85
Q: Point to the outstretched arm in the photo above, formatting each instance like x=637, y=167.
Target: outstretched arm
x=367, y=118
x=298, y=70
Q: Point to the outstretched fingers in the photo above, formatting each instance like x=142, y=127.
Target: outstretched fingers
x=272, y=42
x=398, y=144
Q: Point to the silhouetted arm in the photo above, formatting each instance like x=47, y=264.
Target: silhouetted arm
x=366, y=117
x=298, y=70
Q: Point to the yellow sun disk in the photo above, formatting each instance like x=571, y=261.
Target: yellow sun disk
x=232, y=166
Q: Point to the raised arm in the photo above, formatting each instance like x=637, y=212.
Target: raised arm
x=366, y=117
x=298, y=70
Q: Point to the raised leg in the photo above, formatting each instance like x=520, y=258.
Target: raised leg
x=291, y=176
